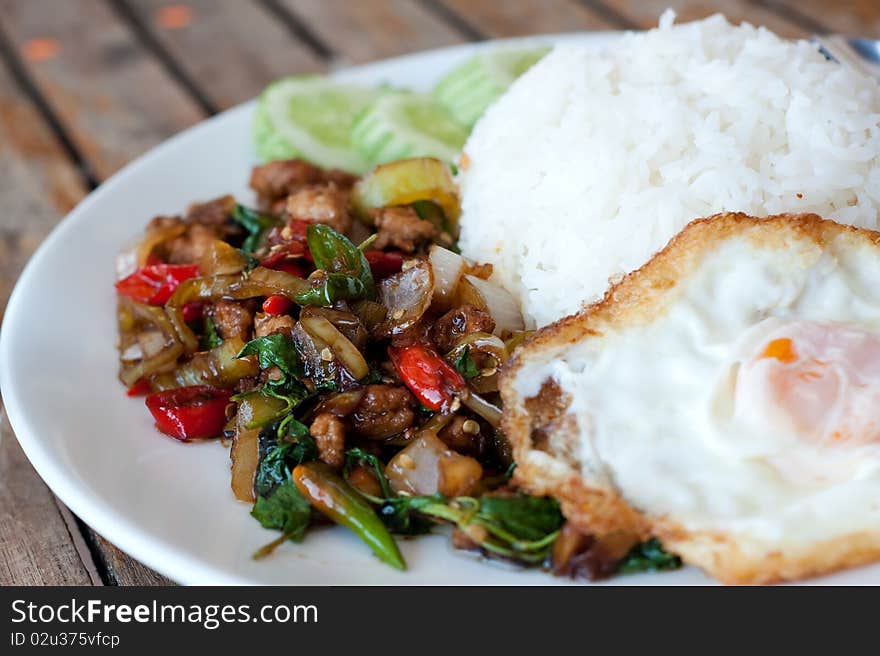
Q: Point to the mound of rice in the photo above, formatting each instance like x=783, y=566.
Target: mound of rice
x=592, y=161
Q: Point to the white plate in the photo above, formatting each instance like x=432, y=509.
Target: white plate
x=169, y=504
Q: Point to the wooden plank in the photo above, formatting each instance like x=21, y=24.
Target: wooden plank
x=35, y=546
x=230, y=48
x=372, y=29
x=121, y=569
x=523, y=17
x=38, y=184
x=113, y=97
x=114, y=100
x=855, y=17
x=646, y=13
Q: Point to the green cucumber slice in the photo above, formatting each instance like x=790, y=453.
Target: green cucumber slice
x=311, y=117
x=469, y=88
x=399, y=125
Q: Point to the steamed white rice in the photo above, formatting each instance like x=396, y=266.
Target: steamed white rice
x=592, y=162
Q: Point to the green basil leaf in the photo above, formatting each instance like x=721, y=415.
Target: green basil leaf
x=649, y=556
x=255, y=223
x=275, y=350
x=279, y=455
x=210, y=337
x=334, y=287
x=465, y=364
x=526, y=517
x=335, y=253
x=285, y=510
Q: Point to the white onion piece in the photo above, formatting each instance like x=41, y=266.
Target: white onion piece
x=344, y=351
x=126, y=263
x=152, y=342
x=500, y=304
x=447, y=267
x=482, y=407
x=406, y=296
x=132, y=353
x=416, y=469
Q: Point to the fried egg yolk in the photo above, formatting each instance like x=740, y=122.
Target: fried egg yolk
x=818, y=382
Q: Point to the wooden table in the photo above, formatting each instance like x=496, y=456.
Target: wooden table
x=87, y=85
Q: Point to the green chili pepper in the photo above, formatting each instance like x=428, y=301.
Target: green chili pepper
x=336, y=499
x=336, y=254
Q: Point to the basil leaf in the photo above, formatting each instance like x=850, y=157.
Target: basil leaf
x=285, y=510
x=335, y=253
x=400, y=518
x=255, y=223
x=526, y=517
x=465, y=364
x=210, y=337
x=649, y=556
x=278, y=456
x=356, y=456
x=275, y=350
x=334, y=287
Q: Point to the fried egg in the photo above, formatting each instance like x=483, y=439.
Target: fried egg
x=725, y=398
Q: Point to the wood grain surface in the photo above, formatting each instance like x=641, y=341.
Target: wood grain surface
x=365, y=30
x=230, y=49
x=501, y=19
x=87, y=85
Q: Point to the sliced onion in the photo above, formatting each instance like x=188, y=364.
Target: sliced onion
x=416, y=469
x=370, y=313
x=133, y=353
x=259, y=282
x=245, y=456
x=156, y=236
x=447, y=267
x=151, y=342
x=345, y=322
x=221, y=259
x=499, y=303
x=218, y=367
x=406, y=296
x=482, y=407
x=136, y=316
x=344, y=351
x=427, y=466
x=341, y=404
x=487, y=351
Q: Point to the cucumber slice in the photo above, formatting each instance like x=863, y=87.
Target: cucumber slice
x=311, y=117
x=400, y=125
x=468, y=89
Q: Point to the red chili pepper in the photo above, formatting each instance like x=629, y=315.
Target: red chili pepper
x=299, y=227
x=155, y=283
x=291, y=266
x=384, y=264
x=300, y=230
x=289, y=247
x=193, y=311
x=429, y=377
x=140, y=388
x=189, y=413
x=289, y=251
x=277, y=304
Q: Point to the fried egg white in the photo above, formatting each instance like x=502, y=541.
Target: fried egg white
x=725, y=397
